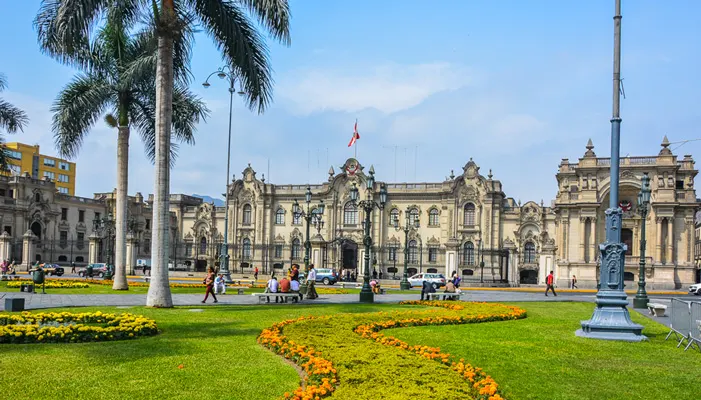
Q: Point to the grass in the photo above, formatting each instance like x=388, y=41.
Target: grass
x=214, y=355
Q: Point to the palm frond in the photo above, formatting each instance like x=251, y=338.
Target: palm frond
x=12, y=118
x=78, y=106
x=243, y=48
x=188, y=111
x=274, y=15
x=3, y=82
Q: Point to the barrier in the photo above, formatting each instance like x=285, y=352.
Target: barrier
x=680, y=317
x=695, y=331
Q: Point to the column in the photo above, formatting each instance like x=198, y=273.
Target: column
x=5, y=246
x=451, y=257
x=582, y=232
x=131, y=253
x=670, y=241
x=92, y=250
x=593, y=253
x=28, y=249
x=658, y=246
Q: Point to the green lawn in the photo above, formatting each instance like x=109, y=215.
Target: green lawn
x=538, y=357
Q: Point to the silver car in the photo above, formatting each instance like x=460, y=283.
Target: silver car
x=695, y=289
x=437, y=280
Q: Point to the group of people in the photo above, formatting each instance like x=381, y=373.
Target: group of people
x=7, y=268
x=290, y=283
x=451, y=286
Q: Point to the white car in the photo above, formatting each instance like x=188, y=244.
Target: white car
x=437, y=280
x=695, y=289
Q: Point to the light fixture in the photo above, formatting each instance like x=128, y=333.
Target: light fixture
x=206, y=85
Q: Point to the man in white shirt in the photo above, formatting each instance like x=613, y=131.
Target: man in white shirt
x=271, y=288
x=219, y=284
x=311, y=280
x=294, y=287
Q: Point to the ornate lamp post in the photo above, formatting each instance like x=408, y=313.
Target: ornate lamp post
x=226, y=72
x=481, y=254
x=611, y=320
x=641, y=298
x=368, y=205
x=408, y=227
x=105, y=226
x=310, y=216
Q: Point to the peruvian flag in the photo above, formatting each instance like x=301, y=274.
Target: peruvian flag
x=356, y=135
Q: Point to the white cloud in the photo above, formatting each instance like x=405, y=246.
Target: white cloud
x=388, y=88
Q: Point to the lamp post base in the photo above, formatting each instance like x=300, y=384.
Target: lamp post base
x=611, y=320
x=640, y=301
x=367, y=297
x=404, y=284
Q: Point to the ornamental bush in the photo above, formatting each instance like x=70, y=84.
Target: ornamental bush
x=372, y=365
x=52, y=284
x=66, y=327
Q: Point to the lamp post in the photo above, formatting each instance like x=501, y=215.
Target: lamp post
x=368, y=205
x=105, y=226
x=611, y=319
x=309, y=216
x=641, y=298
x=222, y=73
x=481, y=252
x=408, y=227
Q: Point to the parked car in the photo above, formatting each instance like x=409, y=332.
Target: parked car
x=53, y=269
x=98, y=269
x=326, y=275
x=695, y=289
x=437, y=280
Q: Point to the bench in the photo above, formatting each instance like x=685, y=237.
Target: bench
x=658, y=310
x=352, y=285
x=283, y=296
x=243, y=281
x=444, y=296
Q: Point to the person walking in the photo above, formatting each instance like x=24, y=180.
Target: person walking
x=574, y=282
x=255, y=273
x=72, y=267
x=209, y=283
x=550, y=282
x=311, y=280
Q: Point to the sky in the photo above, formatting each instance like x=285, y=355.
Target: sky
x=515, y=85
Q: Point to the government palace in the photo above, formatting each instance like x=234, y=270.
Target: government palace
x=466, y=223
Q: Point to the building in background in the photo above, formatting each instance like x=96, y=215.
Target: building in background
x=26, y=158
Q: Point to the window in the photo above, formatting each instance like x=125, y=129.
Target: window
x=63, y=238
x=394, y=217
x=432, y=254
x=14, y=154
x=49, y=162
x=63, y=178
x=148, y=224
x=433, y=217
x=81, y=215
x=247, y=217
x=246, y=249
x=392, y=253
x=147, y=245
x=350, y=214
x=315, y=216
x=64, y=166
x=62, y=190
x=64, y=214
x=8, y=229
x=15, y=170
x=203, y=245
x=468, y=253
x=2, y=192
x=296, y=249
x=469, y=217
x=79, y=259
x=37, y=197
x=413, y=217
x=680, y=185
x=81, y=237
x=49, y=175
x=413, y=253
x=529, y=253
x=188, y=250
x=280, y=217
x=278, y=251
x=97, y=215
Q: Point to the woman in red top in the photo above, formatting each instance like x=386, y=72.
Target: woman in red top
x=209, y=282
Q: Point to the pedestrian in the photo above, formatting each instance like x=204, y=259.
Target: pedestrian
x=374, y=273
x=456, y=280
x=380, y=275
x=73, y=267
x=426, y=288
x=311, y=280
x=574, y=282
x=550, y=282
x=255, y=273
x=220, y=284
x=294, y=274
x=209, y=283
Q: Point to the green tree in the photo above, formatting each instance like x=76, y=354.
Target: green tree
x=12, y=119
x=64, y=24
x=118, y=80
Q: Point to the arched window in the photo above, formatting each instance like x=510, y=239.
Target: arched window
x=413, y=216
x=246, y=249
x=247, y=214
x=280, y=217
x=79, y=259
x=433, y=217
x=296, y=217
x=394, y=217
x=350, y=214
x=468, y=253
x=37, y=197
x=529, y=253
x=36, y=229
x=469, y=217
x=203, y=245
x=62, y=258
x=413, y=252
x=296, y=249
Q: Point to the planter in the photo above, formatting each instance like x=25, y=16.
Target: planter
x=14, y=304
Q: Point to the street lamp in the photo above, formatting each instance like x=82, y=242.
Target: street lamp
x=409, y=225
x=105, y=226
x=368, y=205
x=641, y=298
x=481, y=255
x=311, y=217
x=226, y=72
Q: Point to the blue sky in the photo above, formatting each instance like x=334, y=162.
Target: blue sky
x=515, y=85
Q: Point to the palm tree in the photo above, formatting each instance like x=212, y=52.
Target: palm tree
x=64, y=24
x=12, y=119
x=118, y=78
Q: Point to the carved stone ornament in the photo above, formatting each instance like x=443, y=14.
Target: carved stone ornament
x=471, y=170
x=628, y=174
x=205, y=212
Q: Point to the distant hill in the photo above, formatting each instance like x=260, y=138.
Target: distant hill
x=207, y=199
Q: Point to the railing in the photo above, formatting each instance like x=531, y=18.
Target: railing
x=420, y=186
x=628, y=161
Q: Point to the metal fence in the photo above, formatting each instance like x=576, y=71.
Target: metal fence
x=685, y=318
x=695, y=331
x=483, y=265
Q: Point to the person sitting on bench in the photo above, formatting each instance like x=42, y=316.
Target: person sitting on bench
x=294, y=288
x=426, y=287
x=271, y=287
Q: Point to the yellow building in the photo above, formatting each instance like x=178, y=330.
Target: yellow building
x=26, y=158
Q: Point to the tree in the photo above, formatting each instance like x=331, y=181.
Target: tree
x=118, y=78
x=229, y=25
x=12, y=119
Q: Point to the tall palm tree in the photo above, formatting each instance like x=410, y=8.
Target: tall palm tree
x=62, y=24
x=118, y=78
x=12, y=119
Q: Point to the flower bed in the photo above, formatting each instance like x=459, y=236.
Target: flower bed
x=352, y=358
x=51, y=284
x=331, y=291
x=144, y=284
x=66, y=327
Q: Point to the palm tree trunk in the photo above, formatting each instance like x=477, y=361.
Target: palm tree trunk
x=120, y=248
x=159, y=290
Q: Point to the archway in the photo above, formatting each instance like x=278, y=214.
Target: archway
x=349, y=255
x=432, y=271
x=36, y=229
x=528, y=277
x=628, y=276
x=200, y=265
x=627, y=238
x=411, y=271
x=62, y=259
